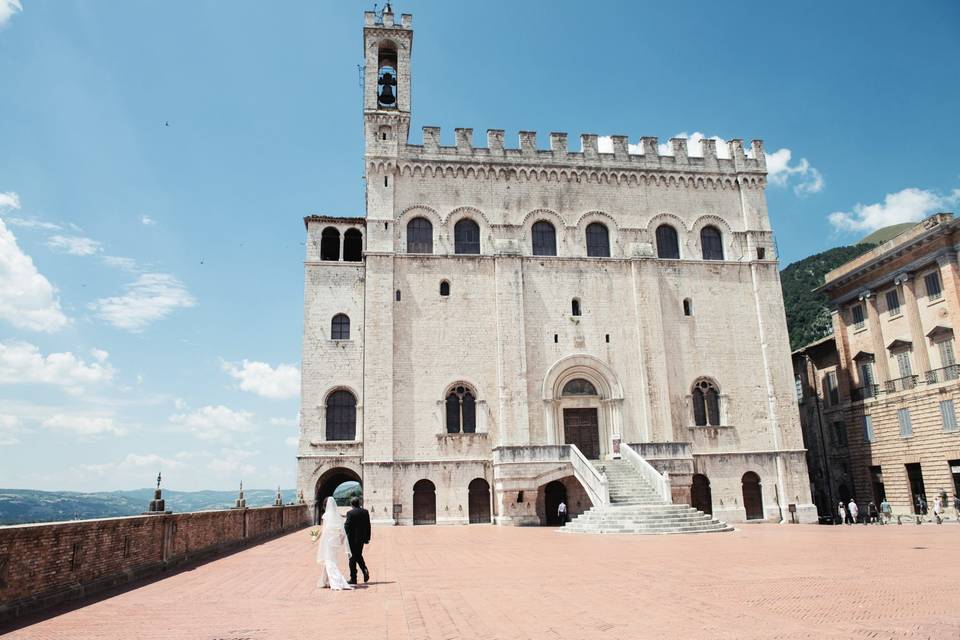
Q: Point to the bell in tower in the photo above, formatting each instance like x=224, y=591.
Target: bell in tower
x=387, y=79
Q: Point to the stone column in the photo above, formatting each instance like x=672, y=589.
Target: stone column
x=843, y=354
x=921, y=356
x=876, y=335
x=514, y=419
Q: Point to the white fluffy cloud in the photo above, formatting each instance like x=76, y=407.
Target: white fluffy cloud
x=126, y=264
x=214, y=422
x=84, y=425
x=27, y=299
x=74, y=245
x=262, y=379
x=22, y=362
x=151, y=297
x=805, y=178
x=908, y=205
x=7, y=9
x=147, y=220
x=10, y=429
x=133, y=461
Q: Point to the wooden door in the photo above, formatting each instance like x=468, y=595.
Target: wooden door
x=752, y=496
x=479, y=501
x=700, y=494
x=581, y=427
x=424, y=503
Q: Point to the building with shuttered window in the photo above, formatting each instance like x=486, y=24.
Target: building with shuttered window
x=503, y=321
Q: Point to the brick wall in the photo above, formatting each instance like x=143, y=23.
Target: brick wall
x=45, y=564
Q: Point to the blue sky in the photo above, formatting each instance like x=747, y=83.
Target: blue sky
x=151, y=275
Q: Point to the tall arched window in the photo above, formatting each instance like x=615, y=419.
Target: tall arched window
x=706, y=404
x=667, y=244
x=419, y=236
x=340, y=327
x=544, y=239
x=466, y=237
x=711, y=242
x=330, y=244
x=341, y=416
x=444, y=288
x=461, y=410
x=598, y=240
x=352, y=245
x=575, y=307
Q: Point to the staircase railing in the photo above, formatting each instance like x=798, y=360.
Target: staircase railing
x=596, y=484
x=659, y=482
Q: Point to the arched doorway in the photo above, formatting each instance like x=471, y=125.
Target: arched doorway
x=752, y=496
x=424, y=503
x=553, y=494
x=341, y=483
x=478, y=502
x=700, y=494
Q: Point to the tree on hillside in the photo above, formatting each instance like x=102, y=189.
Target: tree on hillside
x=808, y=317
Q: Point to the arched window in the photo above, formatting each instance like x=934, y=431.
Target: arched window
x=330, y=244
x=461, y=410
x=711, y=242
x=668, y=246
x=579, y=387
x=386, y=133
x=419, y=236
x=598, y=240
x=544, y=239
x=575, y=307
x=444, y=288
x=340, y=327
x=466, y=237
x=396, y=295
x=352, y=245
x=687, y=307
x=706, y=404
x=341, y=416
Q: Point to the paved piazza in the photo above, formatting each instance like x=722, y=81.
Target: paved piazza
x=762, y=581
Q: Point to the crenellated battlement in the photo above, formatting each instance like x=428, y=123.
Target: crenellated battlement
x=647, y=155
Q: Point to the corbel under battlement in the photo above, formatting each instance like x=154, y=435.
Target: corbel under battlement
x=616, y=152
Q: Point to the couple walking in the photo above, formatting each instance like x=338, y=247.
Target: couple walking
x=341, y=537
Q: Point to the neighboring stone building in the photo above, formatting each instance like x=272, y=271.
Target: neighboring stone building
x=890, y=387
x=496, y=305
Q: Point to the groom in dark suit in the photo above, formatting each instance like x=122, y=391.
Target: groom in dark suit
x=357, y=527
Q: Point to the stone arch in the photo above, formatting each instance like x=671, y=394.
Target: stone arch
x=325, y=480
x=424, y=502
x=727, y=236
x=478, y=501
x=591, y=421
x=581, y=366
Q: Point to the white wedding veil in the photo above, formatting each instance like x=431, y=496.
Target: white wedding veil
x=332, y=535
x=331, y=517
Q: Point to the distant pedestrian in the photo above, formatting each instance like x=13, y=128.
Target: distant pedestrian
x=921, y=503
x=886, y=510
x=562, y=512
x=842, y=512
x=938, y=510
x=956, y=506
x=853, y=511
x=872, y=515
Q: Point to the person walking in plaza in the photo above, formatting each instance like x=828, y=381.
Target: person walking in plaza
x=332, y=548
x=956, y=506
x=887, y=511
x=842, y=512
x=938, y=510
x=357, y=528
x=872, y=515
x=853, y=511
x=562, y=513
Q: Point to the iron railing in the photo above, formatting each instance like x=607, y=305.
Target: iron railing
x=900, y=384
x=943, y=374
x=862, y=393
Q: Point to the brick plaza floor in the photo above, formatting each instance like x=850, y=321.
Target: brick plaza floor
x=762, y=581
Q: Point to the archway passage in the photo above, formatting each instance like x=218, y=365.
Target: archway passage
x=581, y=427
x=479, y=501
x=752, y=496
x=553, y=494
x=338, y=483
x=424, y=503
x=700, y=494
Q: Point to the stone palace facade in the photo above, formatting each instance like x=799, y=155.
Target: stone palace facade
x=503, y=322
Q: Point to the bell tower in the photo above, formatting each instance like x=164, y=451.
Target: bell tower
x=386, y=80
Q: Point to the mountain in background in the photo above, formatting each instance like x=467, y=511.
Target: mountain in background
x=21, y=506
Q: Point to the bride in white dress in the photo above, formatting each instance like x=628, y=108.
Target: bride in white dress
x=332, y=548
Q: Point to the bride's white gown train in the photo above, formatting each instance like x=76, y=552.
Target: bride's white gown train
x=332, y=548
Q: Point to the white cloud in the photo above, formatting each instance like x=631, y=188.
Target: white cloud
x=232, y=461
x=74, y=245
x=805, y=178
x=262, y=379
x=22, y=362
x=126, y=264
x=27, y=299
x=147, y=220
x=7, y=9
x=84, y=425
x=214, y=423
x=10, y=429
x=133, y=461
x=908, y=205
x=30, y=223
x=151, y=297
x=9, y=199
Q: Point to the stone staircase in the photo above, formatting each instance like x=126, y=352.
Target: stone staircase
x=636, y=508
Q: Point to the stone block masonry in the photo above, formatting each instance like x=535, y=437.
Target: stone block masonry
x=46, y=564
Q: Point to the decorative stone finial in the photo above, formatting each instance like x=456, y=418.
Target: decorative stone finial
x=241, y=502
x=279, y=501
x=157, y=505
x=300, y=497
